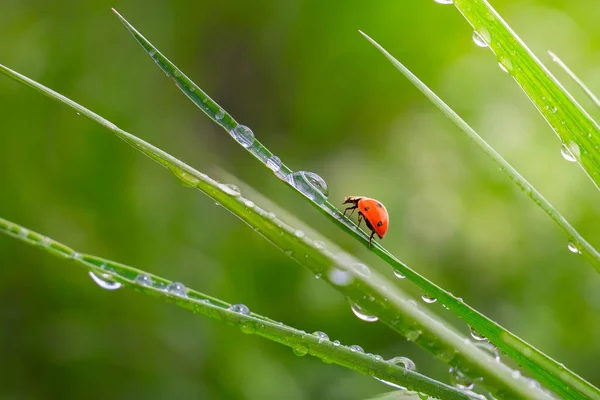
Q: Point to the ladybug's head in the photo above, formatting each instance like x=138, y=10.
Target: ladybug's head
x=351, y=199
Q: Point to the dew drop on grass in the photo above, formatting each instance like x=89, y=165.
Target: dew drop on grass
x=249, y=203
x=336, y=343
x=460, y=380
x=319, y=244
x=143, y=279
x=362, y=269
x=339, y=277
x=505, y=64
x=570, y=151
x=185, y=178
x=321, y=335
x=356, y=348
x=573, y=248
x=516, y=374
x=300, y=350
x=403, y=362
x=479, y=39
x=428, y=299
x=243, y=135
x=104, y=281
x=240, y=309
x=230, y=189
x=476, y=335
x=309, y=184
x=299, y=233
x=177, y=288
x=274, y=163
x=489, y=349
x=361, y=313
x=219, y=114
x=398, y=275
x=444, y=1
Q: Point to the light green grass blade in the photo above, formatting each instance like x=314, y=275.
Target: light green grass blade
x=547, y=371
x=114, y=275
x=578, y=81
x=574, y=238
x=573, y=125
x=364, y=287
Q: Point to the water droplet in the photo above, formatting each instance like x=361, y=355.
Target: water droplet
x=185, y=178
x=460, y=380
x=516, y=374
x=240, y=309
x=46, y=241
x=300, y=350
x=319, y=244
x=309, y=184
x=177, y=288
x=404, y=362
x=321, y=335
x=243, y=135
x=533, y=384
x=573, y=248
x=476, y=335
x=274, y=163
x=362, y=269
x=413, y=335
x=230, y=189
x=144, y=279
x=318, y=276
x=505, y=64
x=444, y=1
x=490, y=349
x=339, y=277
x=299, y=233
x=570, y=151
x=378, y=357
x=356, y=348
x=479, y=39
x=249, y=203
x=76, y=256
x=428, y=299
x=336, y=343
x=152, y=53
x=361, y=313
x=398, y=274
x=103, y=280
x=220, y=114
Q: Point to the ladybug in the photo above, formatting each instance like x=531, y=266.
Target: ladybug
x=372, y=211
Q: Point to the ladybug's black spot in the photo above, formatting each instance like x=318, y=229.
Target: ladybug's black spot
x=380, y=223
x=379, y=205
x=367, y=208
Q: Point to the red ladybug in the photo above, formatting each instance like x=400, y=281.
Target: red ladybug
x=373, y=212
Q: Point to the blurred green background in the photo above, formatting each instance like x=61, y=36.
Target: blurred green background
x=322, y=99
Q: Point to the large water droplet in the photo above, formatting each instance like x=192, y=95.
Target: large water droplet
x=480, y=38
x=444, y=1
x=476, y=335
x=321, y=335
x=339, y=277
x=362, y=269
x=573, y=247
x=309, y=184
x=460, y=380
x=490, y=349
x=361, y=313
x=404, y=362
x=230, y=189
x=274, y=163
x=428, y=299
x=240, y=309
x=103, y=280
x=177, y=288
x=300, y=350
x=243, y=135
x=398, y=274
x=144, y=279
x=356, y=348
x=570, y=151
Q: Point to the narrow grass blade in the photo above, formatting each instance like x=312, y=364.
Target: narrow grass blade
x=573, y=125
x=364, y=287
x=578, y=81
x=574, y=238
x=116, y=274
x=525, y=354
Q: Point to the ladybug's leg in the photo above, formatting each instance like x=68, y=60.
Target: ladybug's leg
x=360, y=218
x=371, y=238
x=353, y=208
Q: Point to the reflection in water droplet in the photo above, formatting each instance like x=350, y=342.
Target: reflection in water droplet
x=428, y=299
x=309, y=184
x=398, y=274
x=361, y=313
x=243, y=135
x=404, y=362
x=144, y=279
x=321, y=335
x=476, y=335
x=460, y=380
x=479, y=40
x=570, y=151
x=356, y=348
x=573, y=247
x=177, y=288
x=240, y=309
x=104, y=281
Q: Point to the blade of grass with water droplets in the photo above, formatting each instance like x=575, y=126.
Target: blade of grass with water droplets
x=236, y=315
x=573, y=125
x=364, y=288
x=578, y=81
x=513, y=346
x=522, y=352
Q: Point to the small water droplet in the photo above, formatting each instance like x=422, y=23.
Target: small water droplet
x=516, y=374
x=505, y=64
x=398, y=274
x=243, y=135
x=177, y=288
x=240, y=309
x=460, y=380
x=476, y=335
x=378, y=357
x=309, y=184
x=152, y=53
x=76, y=256
x=46, y=241
x=230, y=189
x=490, y=349
x=186, y=179
x=274, y=163
x=570, y=151
x=428, y=299
x=361, y=313
x=336, y=343
x=300, y=350
x=356, y=348
x=573, y=247
x=103, y=280
x=319, y=244
x=219, y=114
x=362, y=269
x=444, y=1
x=339, y=277
x=249, y=203
x=479, y=40
x=144, y=279
x=299, y=233
x=413, y=335
x=404, y=362
x=318, y=276
x=321, y=335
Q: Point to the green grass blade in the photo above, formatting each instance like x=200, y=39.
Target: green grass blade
x=523, y=353
x=578, y=81
x=573, y=125
x=574, y=238
x=364, y=287
x=251, y=323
